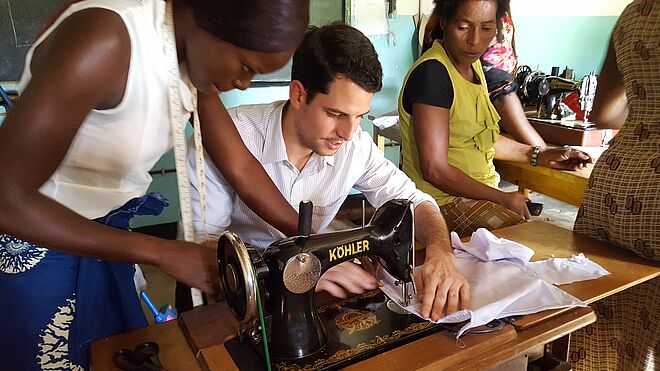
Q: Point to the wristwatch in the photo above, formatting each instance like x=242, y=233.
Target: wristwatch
x=535, y=155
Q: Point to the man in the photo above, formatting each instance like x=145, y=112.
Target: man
x=313, y=149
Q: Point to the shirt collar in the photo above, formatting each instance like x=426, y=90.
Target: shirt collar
x=274, y=146
x=330, y=160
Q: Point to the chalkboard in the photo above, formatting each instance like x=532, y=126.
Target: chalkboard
x=20, y=22
x=320, y=12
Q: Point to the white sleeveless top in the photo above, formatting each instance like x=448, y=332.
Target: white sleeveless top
x=109, y=160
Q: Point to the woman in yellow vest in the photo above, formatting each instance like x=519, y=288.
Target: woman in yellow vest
x=449, y=127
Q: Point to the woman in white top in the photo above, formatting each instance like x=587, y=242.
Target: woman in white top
x=91, y=121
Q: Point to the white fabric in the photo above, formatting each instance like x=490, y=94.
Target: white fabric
x=486, y=246
x=560, y=271
x=504, y=283
x=113, y=151
x=385, y=122
x=325, y=180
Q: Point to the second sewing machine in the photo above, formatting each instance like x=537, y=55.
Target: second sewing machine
x=562, y=106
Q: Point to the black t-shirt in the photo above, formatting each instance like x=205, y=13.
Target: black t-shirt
x=428, y=84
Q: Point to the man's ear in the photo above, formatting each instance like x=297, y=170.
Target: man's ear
x=297, y=95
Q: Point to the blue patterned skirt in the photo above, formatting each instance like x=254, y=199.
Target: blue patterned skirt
x=53, y=305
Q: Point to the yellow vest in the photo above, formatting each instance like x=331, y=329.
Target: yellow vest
x=473, y=129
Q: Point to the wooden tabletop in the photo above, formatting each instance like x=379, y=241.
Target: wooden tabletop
x=563, y=185
x=551, y=241
x=530, y=338
x=446, y=348
x=175, y=353
x=206, y=328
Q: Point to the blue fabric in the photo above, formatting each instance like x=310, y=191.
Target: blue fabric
x=47, y=296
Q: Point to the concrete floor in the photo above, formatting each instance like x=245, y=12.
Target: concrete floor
x=554, y=211
x=161, y=286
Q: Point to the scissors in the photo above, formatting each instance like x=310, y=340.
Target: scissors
x=143, y=358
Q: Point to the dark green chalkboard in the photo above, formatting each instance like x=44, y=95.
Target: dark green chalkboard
x=20, y=22
x=326, y=11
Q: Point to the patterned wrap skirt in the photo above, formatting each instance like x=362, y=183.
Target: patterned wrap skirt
x=54, y=305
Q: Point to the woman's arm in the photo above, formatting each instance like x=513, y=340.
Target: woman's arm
x=431, y=126
x=610, y=108
x=564, y=158
x=515, y=122
x=74, y=72
x=244, y=173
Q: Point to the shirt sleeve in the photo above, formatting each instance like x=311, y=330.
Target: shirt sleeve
x=382, y=181
x=218, y=212
x=428, y=83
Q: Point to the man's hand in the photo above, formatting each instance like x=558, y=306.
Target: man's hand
x=344, y=278
x=564, y=158
x=442, y=288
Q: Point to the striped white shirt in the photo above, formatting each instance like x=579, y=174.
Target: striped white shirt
x=325, y=180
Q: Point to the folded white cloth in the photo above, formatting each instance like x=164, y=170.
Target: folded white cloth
x=385, y=122
x=502, y=281
x=560, y=271
x=488, y=247
x=498, y=289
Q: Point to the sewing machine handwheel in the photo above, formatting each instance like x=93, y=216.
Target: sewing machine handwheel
x=237, y=276
x=523, y=70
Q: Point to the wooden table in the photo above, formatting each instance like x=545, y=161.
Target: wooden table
x=393, y=133
x=563, y=185
x=175, y=353
x=199, y=334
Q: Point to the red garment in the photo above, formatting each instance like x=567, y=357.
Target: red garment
x=501, y=53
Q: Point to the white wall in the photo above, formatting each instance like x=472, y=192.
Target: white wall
x=559, y=8
x=546, y=8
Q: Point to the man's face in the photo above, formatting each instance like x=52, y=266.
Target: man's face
x=331, y=119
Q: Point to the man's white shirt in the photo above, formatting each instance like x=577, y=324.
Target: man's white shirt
x=325, y=180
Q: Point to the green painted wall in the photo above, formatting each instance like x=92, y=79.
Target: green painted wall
x=577, y=42
x=166, y=184
x=396, y=54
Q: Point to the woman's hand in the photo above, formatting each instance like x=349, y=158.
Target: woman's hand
x=516, y=202
x=194, y=265
x=565, y=158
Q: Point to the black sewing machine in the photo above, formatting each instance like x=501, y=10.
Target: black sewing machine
x=557, y=120
x=547, y=91
x=274, y=292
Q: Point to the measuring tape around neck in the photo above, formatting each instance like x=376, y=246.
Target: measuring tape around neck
x=178, y=124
